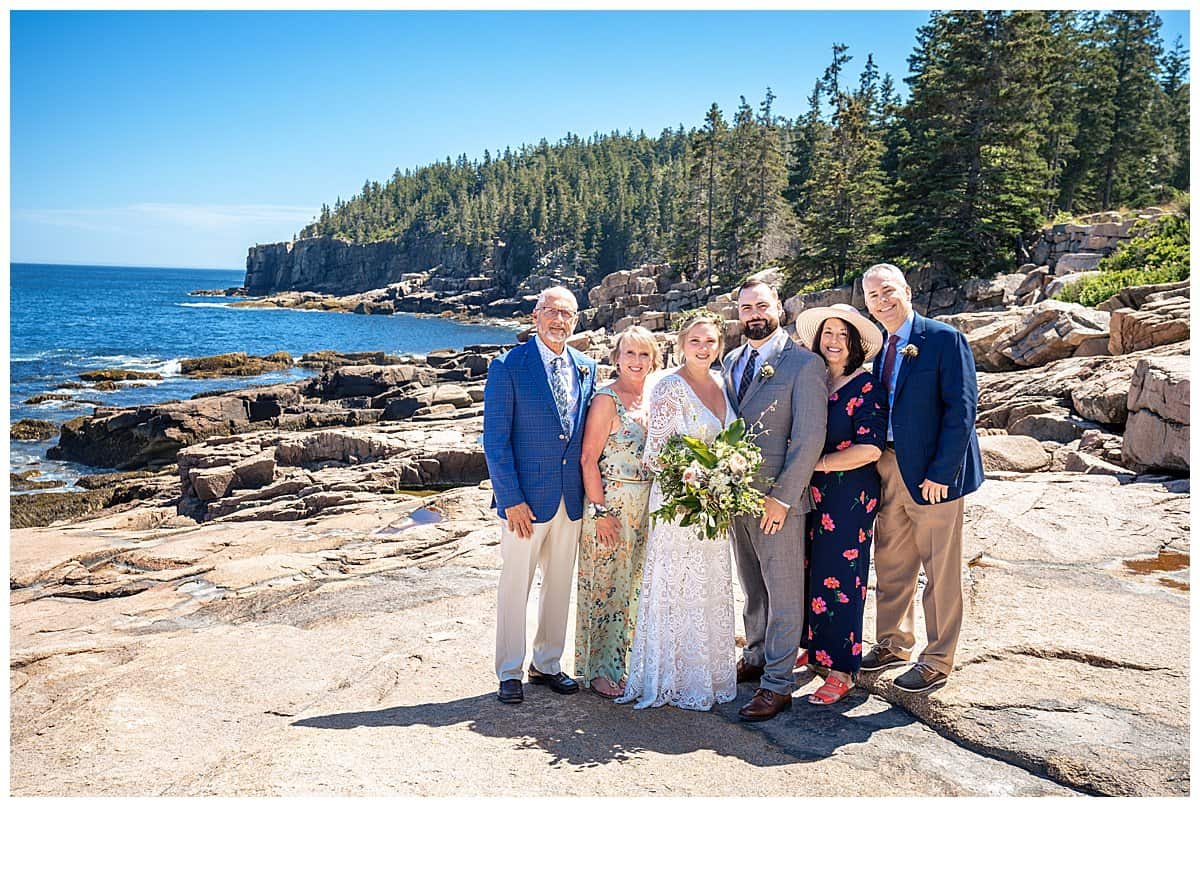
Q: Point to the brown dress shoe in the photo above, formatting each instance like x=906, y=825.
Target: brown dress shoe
x=765, y=704
x=748, y=672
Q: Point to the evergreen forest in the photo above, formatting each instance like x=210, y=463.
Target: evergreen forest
x=1010, y=120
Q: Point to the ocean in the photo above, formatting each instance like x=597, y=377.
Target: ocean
x=65, y=320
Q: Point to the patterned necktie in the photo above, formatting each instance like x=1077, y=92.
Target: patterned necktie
x=562, y=394
x=747, y=374
x=889, y=360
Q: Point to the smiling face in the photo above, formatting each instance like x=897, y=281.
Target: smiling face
x=701, y=345
x=889, y=299
x=635, y=360
x=834, y=344
x=554, y=317
x=760, y=311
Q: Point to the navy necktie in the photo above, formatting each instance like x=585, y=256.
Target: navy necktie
x=747, y=374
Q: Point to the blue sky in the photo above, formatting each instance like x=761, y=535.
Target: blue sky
x=180, y=139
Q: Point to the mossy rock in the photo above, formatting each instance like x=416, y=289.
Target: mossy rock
x=19, y=482
x=118, y=375
x=51, y=396
x=32, y=429
x=234, y=364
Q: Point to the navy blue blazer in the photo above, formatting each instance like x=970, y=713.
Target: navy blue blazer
x=529, y=456
x=933, y=413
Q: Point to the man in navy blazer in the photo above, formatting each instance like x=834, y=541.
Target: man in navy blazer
x=534, y=407
x=931, y=462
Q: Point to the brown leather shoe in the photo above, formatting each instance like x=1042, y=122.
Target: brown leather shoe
x=748, y=672
x=765, y=704
x=880, y=658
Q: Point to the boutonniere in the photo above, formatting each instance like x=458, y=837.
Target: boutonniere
x=910, y=351
x=767, y=372
x=584, y=370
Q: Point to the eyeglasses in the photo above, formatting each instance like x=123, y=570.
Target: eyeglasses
x=564, y=314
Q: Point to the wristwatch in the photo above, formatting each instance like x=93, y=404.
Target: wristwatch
x=599, y=511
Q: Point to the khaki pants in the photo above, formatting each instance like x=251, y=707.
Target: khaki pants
x=909, y=535
x=553, y=547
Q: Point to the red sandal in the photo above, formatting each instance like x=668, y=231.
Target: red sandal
x=831, y=691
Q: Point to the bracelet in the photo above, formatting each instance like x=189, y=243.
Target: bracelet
x=599, y=511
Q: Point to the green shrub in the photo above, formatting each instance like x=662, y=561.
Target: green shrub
x=1098, y=288
x=1159, y=252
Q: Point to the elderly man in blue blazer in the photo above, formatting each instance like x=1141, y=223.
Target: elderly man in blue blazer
x=931, y=462
x=534, y=407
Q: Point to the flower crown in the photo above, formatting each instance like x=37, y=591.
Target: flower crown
x=709, y=315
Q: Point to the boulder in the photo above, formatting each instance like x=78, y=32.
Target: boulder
x=119, y=375
x=1052, y=330
x=1077, y=460
x=1007, y=452
x=1155, y=324
x=235, y=364
x=1138, y=296
x=256, y=471
x=1080, y=261
x=1049, y=422
x=1158, y=430
x=211, y=483
x=32, y=429
x=1000, y=290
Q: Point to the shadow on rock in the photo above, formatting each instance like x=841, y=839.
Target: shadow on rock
x=587, y=731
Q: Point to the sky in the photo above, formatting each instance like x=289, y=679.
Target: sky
x=183, y=138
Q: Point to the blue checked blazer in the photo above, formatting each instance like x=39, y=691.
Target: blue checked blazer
x=933, y=414
x=529, y=456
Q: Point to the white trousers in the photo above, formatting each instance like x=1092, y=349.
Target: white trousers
x=553, y=547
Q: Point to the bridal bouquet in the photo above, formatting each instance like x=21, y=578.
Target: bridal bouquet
x=707, y=485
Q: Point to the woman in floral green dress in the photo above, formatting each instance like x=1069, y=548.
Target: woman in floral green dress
x=613, y=543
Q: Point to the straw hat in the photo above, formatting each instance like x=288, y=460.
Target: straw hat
x=809, y=320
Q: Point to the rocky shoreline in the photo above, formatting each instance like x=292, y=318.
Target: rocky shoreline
x=262, y=530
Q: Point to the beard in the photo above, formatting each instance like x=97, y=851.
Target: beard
x=760, y=328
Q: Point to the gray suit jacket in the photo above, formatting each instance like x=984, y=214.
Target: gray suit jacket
x=791, y=434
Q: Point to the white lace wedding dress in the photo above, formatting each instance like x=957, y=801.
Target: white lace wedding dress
x=683, y=652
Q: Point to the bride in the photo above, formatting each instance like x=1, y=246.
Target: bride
x=683, y=649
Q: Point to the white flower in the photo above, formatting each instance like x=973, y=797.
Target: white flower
x=737, y=463
x=910, y=351
x=691, y=475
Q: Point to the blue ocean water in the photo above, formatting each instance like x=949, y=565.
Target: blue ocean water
x=65, y=320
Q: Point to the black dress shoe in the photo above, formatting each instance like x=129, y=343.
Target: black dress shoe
x=510, y=692
x=918, y=678
x=559, y=682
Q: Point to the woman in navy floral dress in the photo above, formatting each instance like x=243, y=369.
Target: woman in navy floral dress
x=845, y=494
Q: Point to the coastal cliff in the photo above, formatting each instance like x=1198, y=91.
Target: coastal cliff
x=330, y=266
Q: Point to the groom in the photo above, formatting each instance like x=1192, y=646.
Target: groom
x=779, y=389
x=534, y=405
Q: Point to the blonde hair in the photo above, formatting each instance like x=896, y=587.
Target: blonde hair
x=638, y=336
x=712, y=319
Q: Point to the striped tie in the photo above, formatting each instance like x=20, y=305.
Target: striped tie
x=747, y=374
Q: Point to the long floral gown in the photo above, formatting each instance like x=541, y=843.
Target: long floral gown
x=609, y=578
x=683, y=649
x=841, y=527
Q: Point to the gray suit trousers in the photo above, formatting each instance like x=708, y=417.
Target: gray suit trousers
x=771, y=570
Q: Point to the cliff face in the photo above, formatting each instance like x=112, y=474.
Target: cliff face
x=331, y=266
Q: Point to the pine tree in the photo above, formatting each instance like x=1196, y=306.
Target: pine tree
x=1175, y=117
x=970, y=179
x=770, y=178
x=844, y=193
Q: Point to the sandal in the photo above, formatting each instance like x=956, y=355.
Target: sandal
x=606, y=684
x=830, y=692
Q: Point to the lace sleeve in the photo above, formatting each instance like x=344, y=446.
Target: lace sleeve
x=666, y=417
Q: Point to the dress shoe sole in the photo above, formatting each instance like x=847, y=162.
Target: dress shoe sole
x=557, y=689
x=510, y=700
x=887, y=666
x=762, y=718
x=924, y=688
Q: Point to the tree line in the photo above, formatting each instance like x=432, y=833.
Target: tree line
x=1011, y=119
